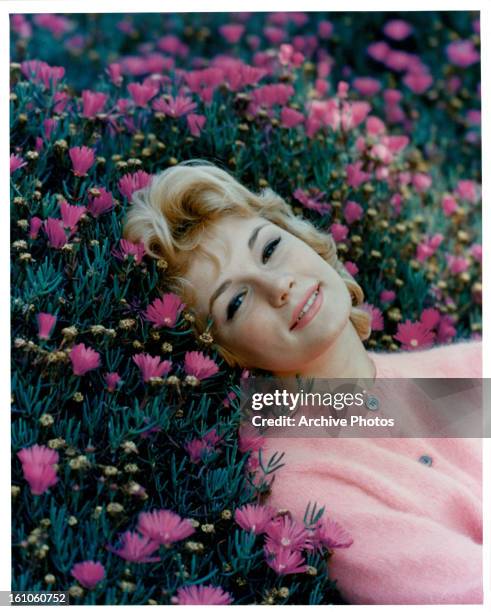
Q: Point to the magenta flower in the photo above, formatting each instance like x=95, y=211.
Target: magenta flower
x=88, y=573
x=82, y=159
x=287, y=533
x=174, y=107
x=127, y=248
x=48, y=126
x=112, y=379
x=352, y=212
x=339, y=232
x=100, y=204
x=55, y=232
x=45, y=322
x=164, y=311
x=351, y=267
x=312, y=202
x=129, y=183
x=92, y=102
x=367, y=86
x=476, y=252
x=199, y=365
x=330, y=534
x=197, y=449
x=355, y=175
x=290, y=118
x=446, y=330
x=151, y=367
x=200, y=595
x=196, y=124
x=449, y=205
x=397, y=29
x=164, y=526
x=253, y=517
x=38, y=467
x=284, y=560
x=35, y=225
x=377, y=318
x=114, y=73
x=135, y=548
x=457, y=264
x=231, y=32
x=418, y=82
x=84, y=359
x=413, y=336
x=142, y=93
x=430, y=317
x=16, y=162
x=462, y=53
x=71, y=215
x=427, y=247
x=467, y=190
x=41, y=72
x=387, y=296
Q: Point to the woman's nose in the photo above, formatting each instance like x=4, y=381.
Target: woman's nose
x=280, y=289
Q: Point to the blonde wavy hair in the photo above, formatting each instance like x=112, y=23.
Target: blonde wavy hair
x=173, y=215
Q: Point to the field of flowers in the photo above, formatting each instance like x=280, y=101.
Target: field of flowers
x=132, y=481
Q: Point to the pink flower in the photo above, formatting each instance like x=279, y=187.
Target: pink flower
x=367, y=86
x=467, y=190
x=253, y=517
x=45, y=322
x=462, y=53
x=200, y=595
x=430, y=317
x=38, y=467
x=88, y=573
x=174, y=107
x=457, y=264
x=112, y=379
x=16, y=162
x=284, y=560
x=418, y=82
x=196, y=124
x=60, y=100
x=352, y=212
x=290, y=117
x=387, y=296
x=84, y=359
x=285, y=532
x=48, y=126
x=421, y=182
x=127, y=248
x=287, y=56
x=312, y=203
x=446, y=330
x=164, y=526
x=339, y=232
x=330, y=534
x=129, y=183
x=351, y=267
x=197, y=449
x=449, y=205
x=397, y=29
x=35, y=225
x=132, y=547
x=82, y=159
x=164, y=311
x=231, y=32
x=476, y=252
x=378, y=51
x=71, y=215
x=142, y=93
x=151, y=367
x=427, y=247
x=114, y=73
x=377, y=319
x=413, y=336
x=100, y=204
x=355, y=175
x=92, y=102
x=324, y=29
x=55, y=232
x=41, y=72
x=199, y=365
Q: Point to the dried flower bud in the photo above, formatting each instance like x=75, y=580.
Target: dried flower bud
x=206, y=338
x=97, y=329
x=131, y=468
x=172, y=380
x=70, y=332
x=166, y=348
x=56, y=443
x=191, y=380
x=25, y=257
x=114, y=508
x=19, y=244
x=19, y=201
x=14, y=491
x=20, y=343
x=97, y=512
x=110, y=332
x=196, y=547
x=283, y=592
x=208, y=528
x=226, y=515
x=127, y=323
x=311, y=570
x=76, y=591
x=152, y=602
x=194, y=523
x=110, y=470
x=78, y=397
x=32, y=155
x=49, y=579
x=61, y=144
x=129, y=447
x=72, y=521
x=162, y=264
x=46, y=420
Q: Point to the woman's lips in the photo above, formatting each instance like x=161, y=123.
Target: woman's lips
x=312, y=310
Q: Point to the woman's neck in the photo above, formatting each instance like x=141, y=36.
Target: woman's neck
x=345, y=358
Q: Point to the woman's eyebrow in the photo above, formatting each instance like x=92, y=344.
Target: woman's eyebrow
x=226, y=284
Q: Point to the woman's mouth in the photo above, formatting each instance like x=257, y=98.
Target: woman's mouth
x=307, y=309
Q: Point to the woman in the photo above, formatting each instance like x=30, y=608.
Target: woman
x=277, y=298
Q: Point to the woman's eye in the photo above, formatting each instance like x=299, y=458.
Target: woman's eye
x=234, y=305
x=270, y=248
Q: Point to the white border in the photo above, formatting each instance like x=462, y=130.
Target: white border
x=125, y=6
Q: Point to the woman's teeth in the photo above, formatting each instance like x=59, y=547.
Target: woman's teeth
x=309, y=303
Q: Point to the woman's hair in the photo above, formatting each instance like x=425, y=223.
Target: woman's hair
x=175, y=212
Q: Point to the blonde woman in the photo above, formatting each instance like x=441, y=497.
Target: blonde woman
x=280, y=300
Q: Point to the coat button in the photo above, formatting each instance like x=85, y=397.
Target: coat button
x=426, y=460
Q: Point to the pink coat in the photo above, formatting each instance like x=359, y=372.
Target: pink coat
x=416, y=525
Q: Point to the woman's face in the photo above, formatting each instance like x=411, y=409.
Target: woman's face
x=275, y=303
